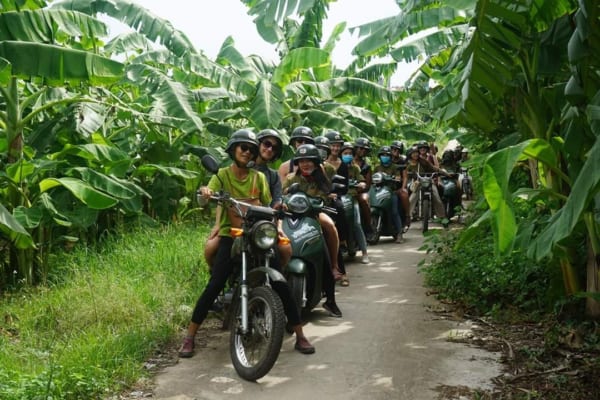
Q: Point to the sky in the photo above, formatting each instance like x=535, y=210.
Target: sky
x=207, y=23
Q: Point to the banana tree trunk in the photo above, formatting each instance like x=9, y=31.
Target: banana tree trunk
x=592, y=307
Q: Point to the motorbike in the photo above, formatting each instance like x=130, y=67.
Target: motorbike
x=253, y=310
x=423, y=210
x=467, y=188
x=380, y=199
x=310, y=257
x=451, y=198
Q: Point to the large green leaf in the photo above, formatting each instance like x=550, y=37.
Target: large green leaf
x=87, y=194
x=151, y=169
x=299, y=60
x=59, y=65
x=12, y=229
x=105, y=183
x=267, y=106
x=586, y=186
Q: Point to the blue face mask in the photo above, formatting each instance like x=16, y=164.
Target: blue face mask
x=347, y=158
x=385, y=159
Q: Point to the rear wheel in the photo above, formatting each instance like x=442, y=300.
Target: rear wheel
x=426, y=214
x=253, y=354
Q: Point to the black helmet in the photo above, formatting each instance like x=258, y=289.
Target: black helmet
x=411, y=149
x=322, y=143
x=384, y=150
x=304, y=133
x=423, y=143
x=272, y=133
x=242, y=136
x=346, y=146
x=307, y=151
x=334, y=137
x=398, y=144
x=363, y=142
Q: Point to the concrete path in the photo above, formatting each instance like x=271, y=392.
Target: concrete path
x=387, y=345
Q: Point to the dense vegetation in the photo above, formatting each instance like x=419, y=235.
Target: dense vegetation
x=110, y=134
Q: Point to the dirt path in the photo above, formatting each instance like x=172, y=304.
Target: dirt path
x=387, y=345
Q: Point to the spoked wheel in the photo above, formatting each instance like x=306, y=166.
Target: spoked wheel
x=253, y=354
x=376, y=229
x=426, y=214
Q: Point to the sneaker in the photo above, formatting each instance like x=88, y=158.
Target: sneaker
x=304, y=346
x=187, y=348
x=364, y=259
x=332, y=309
x=399, y=238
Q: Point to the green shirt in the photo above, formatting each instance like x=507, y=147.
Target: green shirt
x=252, y=189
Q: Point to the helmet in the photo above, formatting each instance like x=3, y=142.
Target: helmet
x=464, y=150
x=411, y=149
x=272, y=133
x=334, y=137
x=422, y=143
x=322, y=143
x=302, y=132
x=384, y=150
x=398, y=144
x=362, y=142
x=307, y=151
x=241, y=136
x=346, y=146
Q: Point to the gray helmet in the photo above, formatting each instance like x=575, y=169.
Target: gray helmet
x=242, y=136
x=423, y=144
x=411, y=149
x=346, y=146
x=322, y=143
x=384, y=150
x=364, y=143
x=307, y=151
x=334, y=137
x=304, y=133
x=398, y=144
x=272, y=133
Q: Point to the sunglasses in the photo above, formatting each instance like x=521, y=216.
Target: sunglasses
x=269, y=145
x=246, y=147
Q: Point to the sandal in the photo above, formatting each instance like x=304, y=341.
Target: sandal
x=345, y=281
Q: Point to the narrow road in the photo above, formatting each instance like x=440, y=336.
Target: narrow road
x=387, y=345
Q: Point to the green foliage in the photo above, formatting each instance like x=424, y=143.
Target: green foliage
x=473, y=276
x=106, y=311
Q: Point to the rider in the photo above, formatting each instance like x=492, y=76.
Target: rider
x=362, y=148
x=242, y=182
x=384, y=154
x=354, y=174
x=300, y=135
x=418, y=164
x=322, y=144
x=313, y=181
x=399, y=159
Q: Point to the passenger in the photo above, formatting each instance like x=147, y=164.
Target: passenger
x=426, y=152
x=314, y=182
x=354, y=174
x=243, y=183
x=399, y=159
x=386, y=166
x=300, y=135
x=362, y=149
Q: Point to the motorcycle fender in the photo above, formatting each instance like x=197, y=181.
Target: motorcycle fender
x=256, y=276
x=297, y=266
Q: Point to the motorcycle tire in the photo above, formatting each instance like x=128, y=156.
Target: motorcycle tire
x=376, y=227
x=254, y=354
x=297, y=283
x=467, y=190
x=426, y=214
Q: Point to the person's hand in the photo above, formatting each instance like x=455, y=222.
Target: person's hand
x=205, y=192
x=361, y=186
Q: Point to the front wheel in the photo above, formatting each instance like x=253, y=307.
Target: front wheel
x=426, y=208
x=253, y=354
x=375, y=229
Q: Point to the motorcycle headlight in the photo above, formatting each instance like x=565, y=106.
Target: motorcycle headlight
x=264, y=235
x=377, y=178
x=298, y=204
x=425, y=183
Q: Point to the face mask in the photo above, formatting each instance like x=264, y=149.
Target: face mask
x=347, y=158
x=385, y=159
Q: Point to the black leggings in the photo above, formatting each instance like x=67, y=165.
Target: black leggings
x=222, y=268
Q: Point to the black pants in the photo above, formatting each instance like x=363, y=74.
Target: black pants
x=222, y=268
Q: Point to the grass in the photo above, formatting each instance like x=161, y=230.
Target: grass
x=88, y=334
